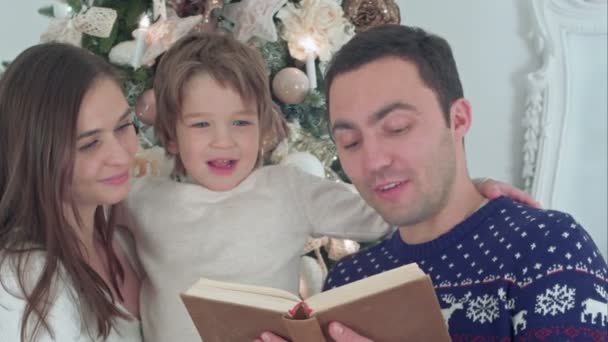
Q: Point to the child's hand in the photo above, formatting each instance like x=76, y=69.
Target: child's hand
x=337, y=331
x=491, y=189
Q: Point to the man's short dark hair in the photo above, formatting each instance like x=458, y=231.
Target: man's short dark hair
x=431, y=54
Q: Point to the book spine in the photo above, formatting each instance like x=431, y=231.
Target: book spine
x=304, y=330
x=300, y=310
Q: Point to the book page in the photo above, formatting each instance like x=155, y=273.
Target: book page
x=250, y=295
x=263, y=290
x=364, y=287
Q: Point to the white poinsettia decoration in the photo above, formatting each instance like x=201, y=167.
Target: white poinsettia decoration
x=317, y=25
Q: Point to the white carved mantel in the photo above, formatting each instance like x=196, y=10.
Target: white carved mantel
x=563, y=166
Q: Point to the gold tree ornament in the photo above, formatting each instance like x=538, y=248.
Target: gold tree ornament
x=186, y=8
x=208, y=9
x=335, y=248
x=145, y=107
x=365, y=14
x=209, y=18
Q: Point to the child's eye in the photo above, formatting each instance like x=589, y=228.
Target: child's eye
x=400, y=129
x=241, y=123
x=350, y=145
x=89, y=146
x=124, y=126
x=201, y=124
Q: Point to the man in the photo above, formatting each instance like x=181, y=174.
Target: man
x=501, y=270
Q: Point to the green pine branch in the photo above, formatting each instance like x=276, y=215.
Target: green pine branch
x=76, y=5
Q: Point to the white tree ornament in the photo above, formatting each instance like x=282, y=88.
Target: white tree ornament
x=253, y=18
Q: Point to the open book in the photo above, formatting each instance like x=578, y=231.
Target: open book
x=397, y=305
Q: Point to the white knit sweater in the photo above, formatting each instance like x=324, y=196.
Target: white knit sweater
x=254, y=233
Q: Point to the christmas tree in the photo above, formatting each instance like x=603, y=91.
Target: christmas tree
x=297, y=39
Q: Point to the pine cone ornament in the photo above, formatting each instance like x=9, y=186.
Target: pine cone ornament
x=186, y=8
x=365, y=14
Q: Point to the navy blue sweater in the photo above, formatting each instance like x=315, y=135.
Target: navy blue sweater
x=508, y=272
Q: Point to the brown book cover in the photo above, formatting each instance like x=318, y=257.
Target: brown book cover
x=397, y=305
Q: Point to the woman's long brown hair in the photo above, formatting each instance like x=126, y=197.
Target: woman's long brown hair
x=40, y=97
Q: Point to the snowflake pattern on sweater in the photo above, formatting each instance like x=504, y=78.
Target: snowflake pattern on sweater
x=508, y=272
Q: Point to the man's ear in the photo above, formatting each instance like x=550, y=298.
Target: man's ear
x=460, y=117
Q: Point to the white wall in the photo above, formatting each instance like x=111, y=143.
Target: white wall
x=20, y=26
x=493, y=56
x=582, y=168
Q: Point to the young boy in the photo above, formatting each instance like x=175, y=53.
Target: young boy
x=229, y=219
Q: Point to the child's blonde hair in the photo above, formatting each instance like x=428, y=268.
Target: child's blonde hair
x=229, y=62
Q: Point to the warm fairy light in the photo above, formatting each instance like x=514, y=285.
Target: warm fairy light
x=144, y=22
x=311, y=48
x=309, y=44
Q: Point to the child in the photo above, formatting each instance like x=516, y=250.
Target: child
x=229, y=219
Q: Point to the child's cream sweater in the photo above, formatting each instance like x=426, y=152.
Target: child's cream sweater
x=254, y=234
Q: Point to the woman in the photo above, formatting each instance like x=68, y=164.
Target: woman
x=67, y=145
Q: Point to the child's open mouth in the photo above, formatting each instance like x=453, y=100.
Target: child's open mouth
x=222, y=166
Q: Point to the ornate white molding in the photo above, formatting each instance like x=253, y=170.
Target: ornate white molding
x=547, y=103
x=535, y=103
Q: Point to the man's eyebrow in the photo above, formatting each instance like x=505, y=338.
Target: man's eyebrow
x=127, y=112
x=341, y=124
x=375, y=117
x=389, y=108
